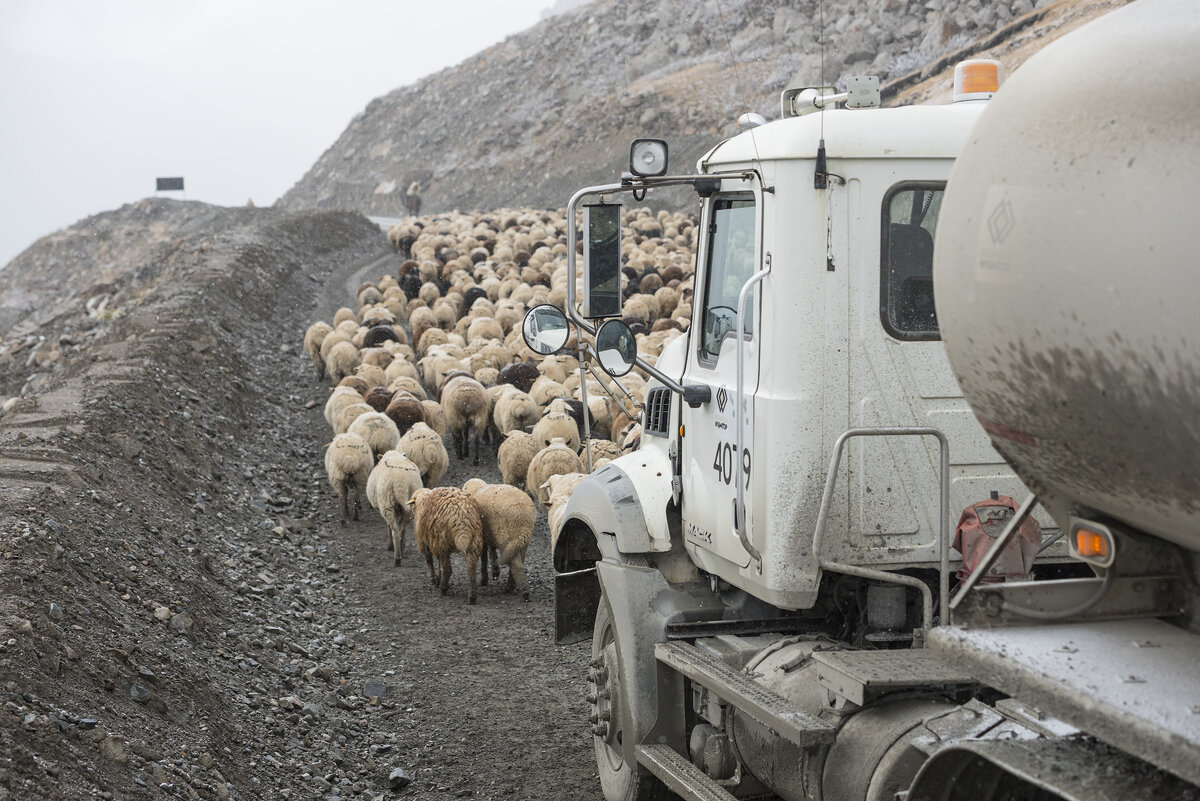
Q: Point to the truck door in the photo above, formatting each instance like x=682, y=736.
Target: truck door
x=899, y=375
x=730, y=253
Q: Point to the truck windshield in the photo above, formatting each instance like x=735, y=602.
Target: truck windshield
x=731, y=234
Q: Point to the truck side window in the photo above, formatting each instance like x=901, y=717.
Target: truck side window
x=731, y=235
x=910, y=214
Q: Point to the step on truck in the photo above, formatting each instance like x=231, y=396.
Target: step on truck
x=825, y=573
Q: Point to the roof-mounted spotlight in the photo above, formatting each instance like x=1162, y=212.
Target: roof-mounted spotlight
x=648, y=158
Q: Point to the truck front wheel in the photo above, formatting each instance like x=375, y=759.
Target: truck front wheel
x=621, y=777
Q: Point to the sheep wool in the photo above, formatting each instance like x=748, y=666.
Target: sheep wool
x=340, y=398
x=377, y=430
x=313, y=338
x=342, y=360
x=467, y=405
x=390, y=488
x=348, y=414
x=515, y=453
x=556, y=459
x=557, y=425
x=435, y=417
x=348, y=462
x=508, y=517
x=424, y=447
x=515, y=410
x=446, y=520
x=559, y=489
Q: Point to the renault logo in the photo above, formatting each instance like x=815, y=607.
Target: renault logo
x=722, y=399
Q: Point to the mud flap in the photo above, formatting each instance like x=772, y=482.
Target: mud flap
x=576, y=596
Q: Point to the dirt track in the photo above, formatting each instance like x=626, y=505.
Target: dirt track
x=181, y=613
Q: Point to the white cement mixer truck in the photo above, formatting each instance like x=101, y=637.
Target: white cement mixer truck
x=892, y=306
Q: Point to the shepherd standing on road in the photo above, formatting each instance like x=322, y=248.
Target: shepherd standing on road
x=412, y=199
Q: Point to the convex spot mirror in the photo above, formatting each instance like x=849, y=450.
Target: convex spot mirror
x=545, y=329
x=616, y=347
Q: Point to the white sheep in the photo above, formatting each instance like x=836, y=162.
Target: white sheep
x=342, y=360
x=546, y=389
x=377, y=430
x=348, y=461
x=409, y=384
x=390, y=488
x=446, y=520
x=558, y=492
x=435, y=417
x=554, y=460
x=424, y=447
x=515, y=410
x=348, y=414
x=508, y=517
x=340, y=398
x=603, y=449
x=373, y=375
x=313, y=338
x=556, y=424
x=466, y=404
x=514, y=455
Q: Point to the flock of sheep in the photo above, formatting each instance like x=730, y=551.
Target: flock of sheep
x=436, y=349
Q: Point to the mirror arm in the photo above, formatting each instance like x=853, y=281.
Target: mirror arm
x=582, y=352
x=603, y=379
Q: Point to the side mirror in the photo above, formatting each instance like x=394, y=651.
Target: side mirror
x=616, y=347
x=602, y=260
x=545, y=329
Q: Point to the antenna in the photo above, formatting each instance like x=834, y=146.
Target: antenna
x=820, y=174
x=737, y=76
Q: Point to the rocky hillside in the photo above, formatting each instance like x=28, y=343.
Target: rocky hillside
x=547, y=111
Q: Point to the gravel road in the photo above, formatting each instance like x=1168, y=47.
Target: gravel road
x=182, y=615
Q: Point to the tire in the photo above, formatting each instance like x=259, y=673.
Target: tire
x=621, y=778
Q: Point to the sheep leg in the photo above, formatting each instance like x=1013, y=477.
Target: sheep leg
x=516, y=575
x=433, y=577
x=444, y=562
x=344, y=500
x=357, y=501
x=483, y=569
x=476, y=447
x=472, y=559
x=495, y=561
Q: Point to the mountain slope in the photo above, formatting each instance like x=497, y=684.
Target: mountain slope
x=532, y=119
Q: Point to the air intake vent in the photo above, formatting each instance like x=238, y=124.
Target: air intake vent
x=658, y=412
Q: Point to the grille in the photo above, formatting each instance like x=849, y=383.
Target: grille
x=658, y=412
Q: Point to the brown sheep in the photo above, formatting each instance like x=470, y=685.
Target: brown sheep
x=446, y=520
x=405, y=411
x=378, y=398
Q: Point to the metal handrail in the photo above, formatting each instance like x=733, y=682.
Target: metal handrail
x=943, y=529
x=739, y=510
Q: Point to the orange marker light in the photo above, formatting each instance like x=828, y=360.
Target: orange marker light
x=976, y=79
x=1092, y=542
x=1089, y=543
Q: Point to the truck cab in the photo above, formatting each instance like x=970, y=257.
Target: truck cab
x=839, y=333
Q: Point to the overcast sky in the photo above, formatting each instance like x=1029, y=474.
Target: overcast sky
x=240, y=97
